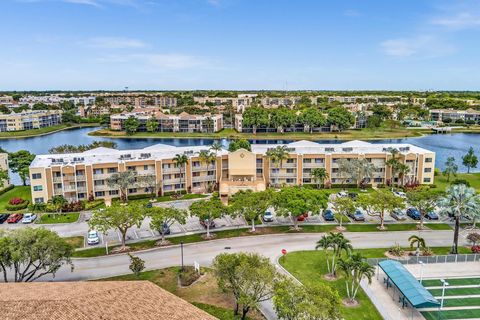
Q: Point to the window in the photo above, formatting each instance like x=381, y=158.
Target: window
x=427, y=170
x=210, y=173
x=196, y=184
x=195, y=174
x=259, y=170
x=178, y=186
x=290, y=160
x=426, y=180
x=307, y=180
x=318, y=160
x=196, y=164
x=145, y=167
x=99, y=193
x=97, y=171
x=36, y=176
x=290, y=180
x=378, y=180
x=113, y=192
x=307, y=160
x=37, y=188
x=428, y=160
x=131, y=168
x=81, y=196
x=132, y=190
x=290, y=171
x=38, y=200
x=112, y=170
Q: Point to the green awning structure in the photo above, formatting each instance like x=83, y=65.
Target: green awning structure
x=413, y=291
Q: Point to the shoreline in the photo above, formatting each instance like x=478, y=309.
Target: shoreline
x=348, y=135
x=32, y=135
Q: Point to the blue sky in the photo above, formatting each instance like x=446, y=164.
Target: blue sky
x=239, y=44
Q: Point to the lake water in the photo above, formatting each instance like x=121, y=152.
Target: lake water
x=445, y=145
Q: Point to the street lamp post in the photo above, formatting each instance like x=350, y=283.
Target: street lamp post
x=181, y=249
x=421, y=271
x=445, y=284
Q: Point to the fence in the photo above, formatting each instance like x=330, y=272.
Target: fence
x=451, y=258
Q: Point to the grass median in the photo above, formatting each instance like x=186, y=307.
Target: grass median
x=52, y=218
x=452, y=314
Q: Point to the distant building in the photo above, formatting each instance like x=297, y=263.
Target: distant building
x=140, y=100
x=55, y=99
x=32, y=119
x=6, y=100
x=454, y=115
x=183, y=122
x=239, y=103
x=4, y=166
x=112, y=300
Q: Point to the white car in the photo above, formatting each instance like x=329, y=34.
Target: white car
x=92, y=237
x=400, y=194
x=29, y=217
x=343, y=194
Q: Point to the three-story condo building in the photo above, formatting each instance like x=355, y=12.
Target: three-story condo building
x=82, y=176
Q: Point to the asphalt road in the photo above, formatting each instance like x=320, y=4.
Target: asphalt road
x=204, y=252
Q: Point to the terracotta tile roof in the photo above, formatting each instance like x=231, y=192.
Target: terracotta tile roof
x=94, y=300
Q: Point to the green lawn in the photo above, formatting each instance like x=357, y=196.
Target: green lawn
x=42, y=131
x=452, y=314
x=76, y=242
x=472, y=178
x=187, y=196
x=452, y=282
x=455, y=291
x=220, y=313
x=49, y=218
x=310, y=266
x=17, y=192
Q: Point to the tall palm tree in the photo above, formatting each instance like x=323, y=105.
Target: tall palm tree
x=319, y=175
x=216, y=147
x=207, y=157
x=416, y=241
x=58, y=202
x=181, y=161
x=338, y=244
x=277, y=155
x=458, y=202
x=393, y=162
x=402, y=170
x=355, y=269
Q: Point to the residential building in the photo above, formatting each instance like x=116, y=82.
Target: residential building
x=4, y=166
x=55, y=99
x=240, y=102
x=140, y=100
x=81, y=176
x=6, y=100
x=183, y=122
x=454, y=115
x=113, y=300
x=30, y=119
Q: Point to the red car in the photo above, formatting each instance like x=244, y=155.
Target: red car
x=302, y=217
x=14, y=218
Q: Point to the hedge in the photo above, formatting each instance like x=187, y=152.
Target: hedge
x=4, y=190
x=16, y=207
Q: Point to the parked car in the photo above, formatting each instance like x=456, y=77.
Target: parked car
x=29, y=217
x=268, y=216
x=210, y=222
x=302, y=217
x=3, y=217
x=328, y=215
x=166, y=228
x=398, y=214
x=342, y=194
x=14, y=218
x=357, y=215
x=400, y=194
x=353, y=195
x=92, y=237
x=431, y=215
x=413, y=213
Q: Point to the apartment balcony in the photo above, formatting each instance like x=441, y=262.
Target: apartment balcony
x=101, y=188
x=172, y=170
x=58, y=191
x=146, y=173
x=81, y=189
x=173, y=181
x=202, y=168
x=57, y=179
x=314, y=165
x=101, y=176
x=69, y=177
x=283, y=175
x=81, y=177
x=68, y=188
x=204, y=178
x=289, y=165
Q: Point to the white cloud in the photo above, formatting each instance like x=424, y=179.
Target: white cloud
x=420, y=47
x=113, y=43
x=166, y=61
x=461, y=20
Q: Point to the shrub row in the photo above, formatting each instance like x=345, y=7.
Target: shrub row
x=16, y=207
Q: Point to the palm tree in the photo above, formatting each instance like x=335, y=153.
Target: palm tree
x=181, y=161
x=122, y=181
x=338, y=244
x=417, y=241
x=346, y=168
x=402, y=170
x=277, y=155
x=393, y=162
x=319, y=175
x=458, y=202
x=355, y=269
x=451, y=168
x=216, y=147
x=207, y=157
x=58, y=202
